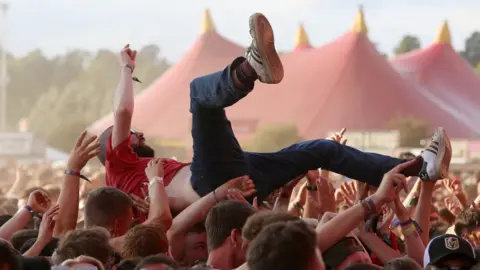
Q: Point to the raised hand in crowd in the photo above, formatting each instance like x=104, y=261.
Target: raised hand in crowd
x=39, y=201
x=154, y=168
x=326, y=195
x=141, y=204
x=349, y=192
x=82, y=152
x=45, y=232
x=454, y=186
x=128, y=57
x=392, y=183
x=243, y=184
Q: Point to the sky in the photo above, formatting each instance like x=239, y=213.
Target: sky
x=57, y=26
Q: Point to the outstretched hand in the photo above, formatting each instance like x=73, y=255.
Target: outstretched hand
x=392, y=182
x=128, y=56
x=244, y=184
x=84, y=150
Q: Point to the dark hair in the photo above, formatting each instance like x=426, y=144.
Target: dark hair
x=4, y=219
x=20, y=237
x=92, y=242
x=104, y=205
x=8, y=256
x=47, y=251
x=223, y=218
x=403, y=263
x=282, y=246
x=157, y=259
x=129, y=264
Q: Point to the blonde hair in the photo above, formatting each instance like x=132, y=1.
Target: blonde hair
x=83, y=259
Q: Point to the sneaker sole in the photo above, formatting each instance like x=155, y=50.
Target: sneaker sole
x=262, y=32
x=444, y=154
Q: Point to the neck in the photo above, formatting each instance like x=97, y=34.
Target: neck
x=221, y=259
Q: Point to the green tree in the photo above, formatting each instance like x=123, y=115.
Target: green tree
x=412, y=130
x=472, y=49
x=274, y=137
x=407, y=44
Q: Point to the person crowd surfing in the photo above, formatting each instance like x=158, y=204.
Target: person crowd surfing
x=233, y=209
x=217, y=155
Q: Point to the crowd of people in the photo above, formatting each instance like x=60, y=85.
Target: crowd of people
x=231, y=209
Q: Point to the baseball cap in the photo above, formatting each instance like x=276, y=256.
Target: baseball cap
x=446, y=245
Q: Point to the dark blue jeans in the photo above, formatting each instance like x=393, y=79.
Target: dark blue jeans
x=218, y=157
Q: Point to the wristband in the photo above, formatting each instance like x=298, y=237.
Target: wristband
x=409, y=230
x=298, y=206
x=30, y=210
x=154, y=181
x=135, y=79
x=74, y=173
x=312, y=188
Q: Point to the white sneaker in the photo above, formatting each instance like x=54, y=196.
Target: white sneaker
x=261, y=54
x=436, y=157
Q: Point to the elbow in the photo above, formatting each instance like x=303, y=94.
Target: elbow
x=165, y=220
x=124, y=112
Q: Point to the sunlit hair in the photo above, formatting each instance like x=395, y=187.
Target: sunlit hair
x=84, y=259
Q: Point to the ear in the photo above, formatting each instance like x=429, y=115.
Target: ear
x=236, y=237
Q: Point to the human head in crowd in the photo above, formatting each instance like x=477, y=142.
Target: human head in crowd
x=83, y=262
x=19, y=238
x=137, y=142
x=403, y=263
x=128, y=264
x=346, y=252
x=144, y=240
x=9, y=259
x=109, y=208
x=362, y=266
x=447, y=216
x=224, y=225
x=260, y=220
x=467, y=222
x=157, y=262
x=285, y=245
x=93, y=242
x=437, y=228
x=47, y=251
x=195, y=249
x=449, y=251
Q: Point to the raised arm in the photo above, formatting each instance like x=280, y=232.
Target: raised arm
x=84, y=150
x=159, y=211
x=123, y=99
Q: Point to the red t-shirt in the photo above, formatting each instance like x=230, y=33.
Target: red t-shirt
x=125, y=170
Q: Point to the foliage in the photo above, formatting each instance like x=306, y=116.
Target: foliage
x=62, y=95
x=274, y=137
x=407, y=44
x=472, y=49
x=412, y=130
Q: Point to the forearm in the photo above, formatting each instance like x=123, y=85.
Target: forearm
x=311, y=204
x=343, y=223
x=192, y=215
x=413, y=242
x=36, y=249
x=123, y=99
x=422, y=212
x=159, y=208
x=16, y=223
x=69, y=200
